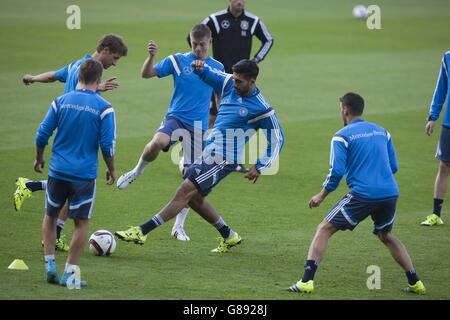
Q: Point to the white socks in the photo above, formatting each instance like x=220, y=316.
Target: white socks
x=181, y=217
x=140, y=166
x=60, y=223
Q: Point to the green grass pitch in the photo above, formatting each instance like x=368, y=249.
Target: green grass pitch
x=320, y=52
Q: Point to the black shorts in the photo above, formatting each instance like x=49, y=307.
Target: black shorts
x=206, y=176
x=351, y=210
x=443, y=147
x=80, y=195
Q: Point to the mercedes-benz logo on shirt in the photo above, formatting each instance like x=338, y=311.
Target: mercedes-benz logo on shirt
x=244, y=25
x=187, y=70
x=243, y=112
x=225, y=24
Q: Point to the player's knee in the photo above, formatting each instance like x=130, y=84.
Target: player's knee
x=444, y=167
x=195, y=201
x=158, y=142
x=185, y=191
x=325, y=227
x=384, y=237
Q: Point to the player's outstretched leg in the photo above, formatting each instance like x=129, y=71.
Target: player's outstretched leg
x=400, y=254
x=24, y=189
x=316, y=252
x=138, y=234
x=150, y=153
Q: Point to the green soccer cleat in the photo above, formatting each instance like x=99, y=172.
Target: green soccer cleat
x=417, y=288
x=432, y=220
x=302, y=287
x=22, y=193
x=133, y=234
x=226, y=244
x=61, y=244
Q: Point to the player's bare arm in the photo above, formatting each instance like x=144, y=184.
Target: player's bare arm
x=198, y=64
x=39, y=162
x=147, y=70
x=110, y=170
x=253, y=174
x=107, y=85
x=318, y=198
x=45, y=77
x=429, y=127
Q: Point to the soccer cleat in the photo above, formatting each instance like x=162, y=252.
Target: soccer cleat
x=126, y=179
x=50, y=272
x=432, y=220
x=302, y=287
x=417, y=288
x=61, y=244
x=179, y=234
x=226, y=244
x=68, y=281
x=22, y=193
x=133, y=234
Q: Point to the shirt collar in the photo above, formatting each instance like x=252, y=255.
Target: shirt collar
x=231, y=15
x=357, y=120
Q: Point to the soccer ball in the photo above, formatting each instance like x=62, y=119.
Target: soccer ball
x=359, y=12
x=102, y=243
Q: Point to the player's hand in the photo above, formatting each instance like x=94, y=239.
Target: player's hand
x=27, y=79
x=38, y=165
x=152, y=48
x=198, y=64
x=108, y=85
x=316, y=200
x=429, y=127
x=253, y=174
x=110, y=177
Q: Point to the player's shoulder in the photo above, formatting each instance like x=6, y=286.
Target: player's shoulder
x=446, y=56
x=218, y=13
x=251, y=15
x=214, y=63
x=260, y=101
x=101, y=102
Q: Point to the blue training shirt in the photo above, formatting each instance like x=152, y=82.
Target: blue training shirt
x=365, y=153
x=441, y=93
x=191, y=97
x=238, y=120
x=85, y=121
x=69, y=74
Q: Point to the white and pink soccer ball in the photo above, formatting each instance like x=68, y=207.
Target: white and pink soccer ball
x=102, y=243
x=359, y=12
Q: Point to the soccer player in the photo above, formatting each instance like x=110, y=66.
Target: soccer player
x=188, y=110
x=243, y=111
x=443, y=149
x=233, y=30
x=85, y=121
x=364, y=152
x=109, y=50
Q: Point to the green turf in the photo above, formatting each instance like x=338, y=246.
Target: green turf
x=320, y=52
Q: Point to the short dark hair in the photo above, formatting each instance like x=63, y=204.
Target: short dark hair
x=354, y=102
x=246, y=67
x=90, y=71
x=200, y=31
x=114, y=43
